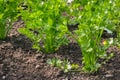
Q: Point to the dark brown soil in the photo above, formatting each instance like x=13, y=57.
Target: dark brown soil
x=18, y=61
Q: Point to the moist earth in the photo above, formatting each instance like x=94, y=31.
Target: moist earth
x=18, y=61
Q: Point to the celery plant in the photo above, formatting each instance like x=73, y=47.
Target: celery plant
x=45, y=25
x=94, y=18
x=8, y=12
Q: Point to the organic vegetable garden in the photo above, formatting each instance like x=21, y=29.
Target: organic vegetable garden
x=59, y=39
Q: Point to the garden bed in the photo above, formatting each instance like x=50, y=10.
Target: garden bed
x=18, y=61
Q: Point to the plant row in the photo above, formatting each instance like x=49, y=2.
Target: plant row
x=48, y=25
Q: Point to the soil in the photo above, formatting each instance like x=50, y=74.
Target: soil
x=18, y=61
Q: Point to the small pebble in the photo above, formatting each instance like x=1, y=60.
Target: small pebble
x=3, y=77
x=108, y=75
x=37, y=66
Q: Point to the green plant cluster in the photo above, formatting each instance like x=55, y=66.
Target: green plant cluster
x=64, y=65
x=94, y=19
x=8, y=13
x=46, y=25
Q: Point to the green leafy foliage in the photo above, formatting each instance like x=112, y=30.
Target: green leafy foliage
x=45, y=24
x=64, y=65
x=95, y=17
x=8, y=13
